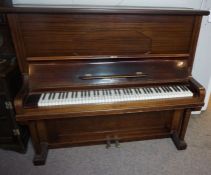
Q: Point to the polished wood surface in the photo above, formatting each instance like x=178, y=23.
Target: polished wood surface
x=69, y=49
x=119, y=35
x=67, y=74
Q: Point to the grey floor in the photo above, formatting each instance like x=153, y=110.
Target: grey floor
x=154, y=157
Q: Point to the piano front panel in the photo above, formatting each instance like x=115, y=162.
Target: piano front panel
x=59, y=74
x=101, y=34
x=97, y=129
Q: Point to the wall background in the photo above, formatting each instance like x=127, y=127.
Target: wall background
x=202, y=64
x=158, y=3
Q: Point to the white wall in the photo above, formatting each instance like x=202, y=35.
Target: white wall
x=202, y=64
x=158, y=3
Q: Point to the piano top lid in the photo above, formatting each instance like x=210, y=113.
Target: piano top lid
x=6, y=6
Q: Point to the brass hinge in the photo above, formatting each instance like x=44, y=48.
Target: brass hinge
x=16, y=132
x=8, y=105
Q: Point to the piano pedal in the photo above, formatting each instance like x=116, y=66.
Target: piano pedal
x=116, y=141
x=108, y=142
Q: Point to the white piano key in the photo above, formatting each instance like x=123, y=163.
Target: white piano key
x=113, y=95
x=41, y=99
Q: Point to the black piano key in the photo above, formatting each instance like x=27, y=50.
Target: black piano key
x=110, y=92
x=115, y=91
x=149, y=90
x=182, y=88
x=145, y=91
x=175, y=88
x=59, y=96
x=76, y=94
x=166, y=89
x=44, y=96
x=169, y=89
x=66, y=95
x=107, y=92
x=139, y=91
x=49, y=97
x=63, y=94
x=131, y=92
x=88, y=93
x=124, y=91
x=156, y=90
x=163, y=89
x=72, y=95
x=54, y=94
x=136, y=90
x=178, y=89
x=159, y=89
x=127, y=92
x=186, y=88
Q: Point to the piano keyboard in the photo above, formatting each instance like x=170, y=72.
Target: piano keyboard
x=113, y=95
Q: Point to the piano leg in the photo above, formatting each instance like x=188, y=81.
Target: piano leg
x=39, y=142
x=180, y=144
x=40, y=158
x=178, y=138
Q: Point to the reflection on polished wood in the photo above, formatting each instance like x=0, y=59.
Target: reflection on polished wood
x=87, y=49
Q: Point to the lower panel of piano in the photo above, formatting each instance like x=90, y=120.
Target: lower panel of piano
x=110, y=128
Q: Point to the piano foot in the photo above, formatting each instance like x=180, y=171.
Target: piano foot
x=40, y=159
x=180, y=144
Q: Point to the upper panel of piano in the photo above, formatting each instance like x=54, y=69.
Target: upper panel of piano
x=70, y=41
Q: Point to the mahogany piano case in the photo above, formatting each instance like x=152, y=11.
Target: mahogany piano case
x=74, y=50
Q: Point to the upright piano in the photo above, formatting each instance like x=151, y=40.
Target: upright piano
x=105, y=75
